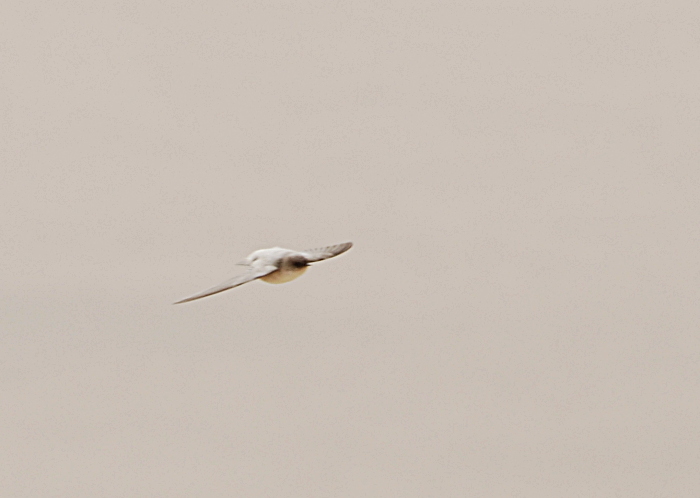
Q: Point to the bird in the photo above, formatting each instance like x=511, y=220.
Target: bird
x=275, y=265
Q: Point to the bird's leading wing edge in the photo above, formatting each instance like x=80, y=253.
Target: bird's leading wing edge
x=326, y=252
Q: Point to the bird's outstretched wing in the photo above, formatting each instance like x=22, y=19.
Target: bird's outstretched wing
x=326, y=252
x=243, y=278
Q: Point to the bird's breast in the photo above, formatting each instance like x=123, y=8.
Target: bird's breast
x=284, y=275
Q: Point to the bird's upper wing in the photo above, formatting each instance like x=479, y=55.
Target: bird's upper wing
x=251, y=274
x=326, y=252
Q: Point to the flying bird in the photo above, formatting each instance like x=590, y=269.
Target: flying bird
x=275, y=266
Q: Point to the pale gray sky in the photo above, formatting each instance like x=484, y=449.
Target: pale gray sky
x=519, y=315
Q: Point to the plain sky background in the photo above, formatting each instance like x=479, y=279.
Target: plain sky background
x=519, y=315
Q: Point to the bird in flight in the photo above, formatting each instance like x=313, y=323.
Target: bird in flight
x=275, y=266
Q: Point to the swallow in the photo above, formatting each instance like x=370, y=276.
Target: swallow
x=274, y=266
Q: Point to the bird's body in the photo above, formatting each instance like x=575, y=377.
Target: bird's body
x=275, y=266
x=290, y=264
x=282, y=276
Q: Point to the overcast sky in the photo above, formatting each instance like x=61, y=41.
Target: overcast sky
x=519, y=314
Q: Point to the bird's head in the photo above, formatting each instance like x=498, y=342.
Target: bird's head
x=296, y=261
